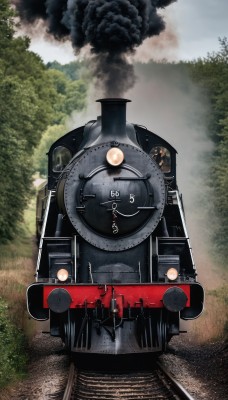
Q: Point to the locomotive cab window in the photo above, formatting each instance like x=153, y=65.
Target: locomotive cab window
x=60, y=158
x=162, y=157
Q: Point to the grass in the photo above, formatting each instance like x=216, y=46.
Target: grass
x=13, y=348
x=17, y=267
x=220, y=296
x=213, y=323
x=16, y=272
x=21, y=246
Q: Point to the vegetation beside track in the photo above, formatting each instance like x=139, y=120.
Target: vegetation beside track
x=16, y=271
x=220, y=297
x=13, y=360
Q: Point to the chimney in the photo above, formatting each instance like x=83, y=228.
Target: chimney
x=113, y=119
x=111, y=126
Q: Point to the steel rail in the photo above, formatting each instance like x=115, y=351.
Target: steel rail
x=70, y=383
x=178, y=388
x=181, y=391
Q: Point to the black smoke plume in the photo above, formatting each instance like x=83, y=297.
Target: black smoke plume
x=113, y=28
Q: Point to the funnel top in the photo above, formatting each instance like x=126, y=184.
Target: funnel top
x=113, y=100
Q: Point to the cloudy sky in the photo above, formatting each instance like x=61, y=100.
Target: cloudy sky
x=196, y=25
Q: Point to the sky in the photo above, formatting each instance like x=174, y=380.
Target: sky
x=195, y=26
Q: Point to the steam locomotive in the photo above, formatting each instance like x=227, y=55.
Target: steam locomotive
x=115, y=271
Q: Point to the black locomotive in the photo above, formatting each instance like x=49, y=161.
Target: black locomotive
x=115, y=271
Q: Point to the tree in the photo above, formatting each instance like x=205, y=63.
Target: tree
x=220, y=175
x=74, y=70
x=14, y=159
x=53, y=133
x=6, y=24
x=75, y=96
x=26, y=97
x=71, y=95
x=211, y=74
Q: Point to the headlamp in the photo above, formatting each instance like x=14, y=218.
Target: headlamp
x=172, y=274
x=115, y=156
x=62, y=275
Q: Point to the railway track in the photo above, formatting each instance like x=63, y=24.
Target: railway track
x=158, y=383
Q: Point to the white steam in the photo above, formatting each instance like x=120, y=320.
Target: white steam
x=167, y=102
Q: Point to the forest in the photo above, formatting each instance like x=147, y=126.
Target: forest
x=36, y=100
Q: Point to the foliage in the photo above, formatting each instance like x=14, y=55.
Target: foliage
x=71, y=96
x=40, y=156
x=26, y=95
x=220, y=193
x=208, y=78
x=31, y=98
x=221, y=295
x=211, y=74
x=74, y=70
x=6, y=25
x=12, y=348
x=16, y=271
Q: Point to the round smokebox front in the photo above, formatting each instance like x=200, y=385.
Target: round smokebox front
x=113, y=203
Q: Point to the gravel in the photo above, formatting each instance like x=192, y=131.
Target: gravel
x=47, y=371
x=201, y=369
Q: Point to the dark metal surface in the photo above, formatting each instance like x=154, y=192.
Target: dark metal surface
x=113, y=120
x=116, y=224
x=59, y=300
x=134, y=225
x=175, y=299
